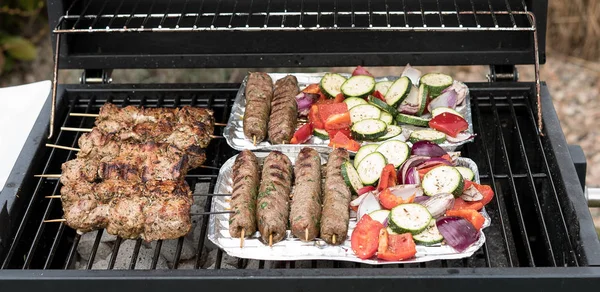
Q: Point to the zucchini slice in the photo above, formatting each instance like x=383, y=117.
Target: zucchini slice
x=387, y=118
x=430, y=236
x=383, y=86
x=351, y=177
x=391, y=132
x=369, y=129
x=354, y=101
x=466, y=173
x=363, y=152
x=423, y=93
x=321, y=134
x=380, y=215
x=427, y=135
x=443, y=179
x=441, y=110
x=412, y=120
x=331, y=84
x=395, y=152
x=363, y=112
x=413, y=218
x=359, y=86
x=398, y=91
x=436, y=83
x=382, y=105
x=369, y=169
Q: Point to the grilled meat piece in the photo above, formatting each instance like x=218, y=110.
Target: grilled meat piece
x=79, y=170
x=259, y=92
x=284, y=110
x=335, y=217
x=151, y=211
x=272, y=206
x=246, y=175
x=305, y=213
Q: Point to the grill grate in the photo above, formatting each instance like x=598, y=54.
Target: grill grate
x=422, y=15
x=529, y=228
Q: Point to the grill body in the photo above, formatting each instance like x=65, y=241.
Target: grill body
x=542, y=236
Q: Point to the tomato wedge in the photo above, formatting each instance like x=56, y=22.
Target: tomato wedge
x=314, y=118
x=378, y=95
x=365, y=190
x=338, y=121
x=471, y=215
x=345, y=131
x=328, y=109
x=449, y=124
x=360, y=70
x=460, y=204
x=342, y=141
x=395, y=247
x=389, y=200
x=302, y=134
x=388, y=178
x=364, y=239
x=312, y=88
x=339, y=98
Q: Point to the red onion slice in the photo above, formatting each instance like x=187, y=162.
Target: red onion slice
x=438, y=205
x=413, y=74
x=412, y=161
x=427, y=148
x=471, y=194
x=412, y=176
x=304, y=101
x=457, y=232
x=446, y=99
x=406, y=191
x=433, y=162
x=368, y=205
x=461, y=90
x=462, y=136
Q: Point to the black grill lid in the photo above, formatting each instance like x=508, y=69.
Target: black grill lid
x=296, y=33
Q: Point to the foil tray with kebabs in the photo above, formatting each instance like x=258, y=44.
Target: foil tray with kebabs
x=299, y=204
x=325, y=110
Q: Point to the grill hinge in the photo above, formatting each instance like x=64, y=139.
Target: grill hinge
x=95, y=76
x=500, y=73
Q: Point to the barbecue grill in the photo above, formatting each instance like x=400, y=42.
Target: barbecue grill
x=542, y=236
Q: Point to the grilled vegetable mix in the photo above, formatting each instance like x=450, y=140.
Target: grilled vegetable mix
x=409, y=196
x=347, y=110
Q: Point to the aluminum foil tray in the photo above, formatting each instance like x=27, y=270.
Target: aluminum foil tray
x=292, y=248
x=234, y=131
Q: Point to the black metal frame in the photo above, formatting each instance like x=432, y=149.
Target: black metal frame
x=408, y=40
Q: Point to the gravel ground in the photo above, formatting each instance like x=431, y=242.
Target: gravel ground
x=575, y=87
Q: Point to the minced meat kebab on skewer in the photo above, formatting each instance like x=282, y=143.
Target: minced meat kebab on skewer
x=246, y=178
x=336, y=199
x=153, y=210
x=259, y=93
x=272, y=206
x=305, y=212
x=284, y=110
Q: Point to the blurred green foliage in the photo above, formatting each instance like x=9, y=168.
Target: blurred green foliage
x=19, y=20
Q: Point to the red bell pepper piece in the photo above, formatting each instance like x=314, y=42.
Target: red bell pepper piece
x=395, y=247
x=364, y=239
x=471, y=215
x=338, y=121
x=449, y=124
x=460, y=204
x=388, y=178
x=314, y=118
x=339, y=98
x=345, y=131
x=486, y=191
x=342, y=141
x=365, y=190
x=447, y=157
x=302, y=134
x=326, y=110
x=389, y=200
x=312, y=88
x=378, y=95
x=360, y=70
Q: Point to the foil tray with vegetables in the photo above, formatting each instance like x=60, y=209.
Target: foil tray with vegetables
x=405, y=205
x=349, y=110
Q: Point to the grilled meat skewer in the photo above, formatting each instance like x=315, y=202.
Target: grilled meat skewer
x=246, y=178
x=153, y=210
x=272, y=206
x=337, y=196
x=305, y=212
x=259, y=93
x=284, y=110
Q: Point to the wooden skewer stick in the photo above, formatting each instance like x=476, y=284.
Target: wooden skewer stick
x=53, y=197
x=306, y=234
x=75, y=129
x=55, y=220
x=48, y=175
x=254, y=140
x=333, y=239
x=62, y=147
x=271, y=240
x=242, y=238
x=97, y=115
x=195, y=195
